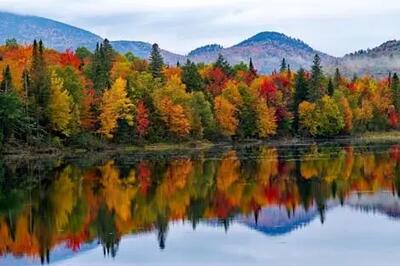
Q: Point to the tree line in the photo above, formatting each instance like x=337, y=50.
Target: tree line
x=84, y=98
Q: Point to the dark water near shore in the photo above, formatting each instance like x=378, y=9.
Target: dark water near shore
x=305, y=205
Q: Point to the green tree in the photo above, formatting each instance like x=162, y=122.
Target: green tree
x=252, y=69
x=222, y=64
x=331, y=87
x=82, y=53
x=6, y=82
x=100, y=70
x=13, y=119
x=71, y=83
x=203, y=118
x=331, y=119
x=247, y=115
x=300, y=95
x=11, y=43
x=191, y=77
x=156, y=62
x=316, y=90
x=283, y=66
x=39, y=91
x=337, y=79
x=395, y=87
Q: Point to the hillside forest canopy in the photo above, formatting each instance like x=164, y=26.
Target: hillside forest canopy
x=88, y=98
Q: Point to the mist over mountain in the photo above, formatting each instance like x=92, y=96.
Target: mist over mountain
x=266, y=48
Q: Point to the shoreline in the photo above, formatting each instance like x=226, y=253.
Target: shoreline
x=35, y=153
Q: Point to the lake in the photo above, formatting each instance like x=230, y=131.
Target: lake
x=253, y=205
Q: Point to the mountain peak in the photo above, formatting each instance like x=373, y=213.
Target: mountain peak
x=272, y=37
x=210, y=48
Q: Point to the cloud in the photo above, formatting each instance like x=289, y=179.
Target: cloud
x=334, y=26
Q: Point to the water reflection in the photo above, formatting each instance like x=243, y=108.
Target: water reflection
x=76, y=204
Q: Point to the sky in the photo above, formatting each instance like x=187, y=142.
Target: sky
x=336, y=27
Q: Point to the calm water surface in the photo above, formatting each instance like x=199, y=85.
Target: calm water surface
x=307, y=205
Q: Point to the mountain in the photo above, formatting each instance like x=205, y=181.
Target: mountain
x=378, y=61
x=266, y=50
x=210, y=48
x=143, y=50
x=56, y=35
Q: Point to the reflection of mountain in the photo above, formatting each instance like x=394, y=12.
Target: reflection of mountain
x=277, y=220
x=383, y=202
x=274, y=221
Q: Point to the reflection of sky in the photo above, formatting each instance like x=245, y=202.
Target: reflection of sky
x=347, y=237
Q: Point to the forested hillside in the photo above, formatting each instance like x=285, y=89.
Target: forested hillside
x=88, y=99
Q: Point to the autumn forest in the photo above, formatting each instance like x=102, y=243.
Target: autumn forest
x=87, y=99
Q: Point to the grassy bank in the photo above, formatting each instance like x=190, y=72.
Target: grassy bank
x=15, y=151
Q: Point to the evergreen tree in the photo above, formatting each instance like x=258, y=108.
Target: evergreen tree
x=222, y=64
x=316, y=90
x=301, y=93
x=337, y=79
x=331, y=88
x=156, y=62
x=395, y=87
x=39, y=91
x=26, y=82
x=283, y=66
x=191, y=77
x=354, y=79
x=252, y=69
x=247, y=116
x=101, y=67
x=6, y=83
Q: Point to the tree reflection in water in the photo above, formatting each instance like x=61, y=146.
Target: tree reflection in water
x=44, y=204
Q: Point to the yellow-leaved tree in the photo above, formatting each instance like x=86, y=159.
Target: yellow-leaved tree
x=225, y=115
x=266, y=121
x=309, y=117
x=115, y=105
x=173, y=104
x=60, y=111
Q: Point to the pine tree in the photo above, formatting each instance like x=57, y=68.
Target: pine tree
x=252, y=69
x=191, y=77
x=101, y=66
x=331, y=88
x=156, y=62
x=283, y=66
x=316, y=90
x=39, y=91
x=395, y=87
x=337, y=79
x=6, y=83
x=222, y=64
x=301, y=92
x=26, y=83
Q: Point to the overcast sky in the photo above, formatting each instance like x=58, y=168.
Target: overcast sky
x=333, y=26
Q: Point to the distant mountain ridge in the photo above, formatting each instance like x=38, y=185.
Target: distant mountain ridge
x=265, y=48
x=55, y=34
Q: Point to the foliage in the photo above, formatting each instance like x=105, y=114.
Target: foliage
x=156, y=62
x=115, y=105
x=67, y=94
x=225, y=115
x=59, y=106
